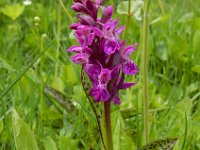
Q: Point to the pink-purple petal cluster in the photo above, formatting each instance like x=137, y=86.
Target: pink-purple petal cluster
x=102, y=54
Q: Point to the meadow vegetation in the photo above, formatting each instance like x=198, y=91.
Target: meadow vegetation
x=42, y=102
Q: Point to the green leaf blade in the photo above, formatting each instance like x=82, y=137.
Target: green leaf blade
x=23, y=135
x=13, y=11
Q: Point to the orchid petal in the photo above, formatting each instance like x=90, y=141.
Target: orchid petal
x=120, y=30
x=127, y=85
x=110, y=47
x=129, y=67
x=92, y=8
x=93, y=71
x=89, y=5
x=122, y=44
x=115, y=71
x=97, y=31
x=86, y=20
x=79, y=7
x=105, y=76
x=116, y=99
x=128, y=50
x=76, y=49
x=90, y=39
x=87, y=50
x=79, y=59
x=100, y=93
x=114, y=24
x=106, y=14
x=98, y=2
x=74, y=26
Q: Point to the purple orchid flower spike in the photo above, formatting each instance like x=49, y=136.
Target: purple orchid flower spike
x=104, y=57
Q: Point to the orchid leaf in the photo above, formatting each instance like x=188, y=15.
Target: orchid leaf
x=23, y=135
x=165, y=144
x=59, y=97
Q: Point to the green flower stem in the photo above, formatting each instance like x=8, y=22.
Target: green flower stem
x=58, y=39
x=128, y=19
x=109, y=143
x=161, y=7
x=66, y=11
x=145, y=72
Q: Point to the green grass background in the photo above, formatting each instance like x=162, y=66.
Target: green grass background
x=34, y=65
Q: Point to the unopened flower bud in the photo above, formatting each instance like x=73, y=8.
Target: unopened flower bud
x=89, y=5
x=37, y=19
x=74, y=26
x=37, y=24
x=44, y=36
x=106, y=13
x=78, y=7
x=98, y=2
x=79, y=1
x=27, y=2
x=92, y=8
x=86, y=20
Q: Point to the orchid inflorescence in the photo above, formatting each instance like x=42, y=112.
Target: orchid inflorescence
x=102, y=54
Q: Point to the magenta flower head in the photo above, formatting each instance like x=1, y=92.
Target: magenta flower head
x=104, y=57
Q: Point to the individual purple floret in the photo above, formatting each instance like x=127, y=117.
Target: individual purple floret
x=102, y=54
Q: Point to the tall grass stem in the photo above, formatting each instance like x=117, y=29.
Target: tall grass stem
x=58, y=38
x=66, y=11
x=186, y=130
x=128, y=19
x=161, y=7
x=145, y=72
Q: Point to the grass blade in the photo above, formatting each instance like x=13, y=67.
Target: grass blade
x=25, y=70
